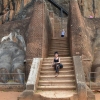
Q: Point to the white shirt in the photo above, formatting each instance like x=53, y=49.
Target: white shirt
x=63, y=33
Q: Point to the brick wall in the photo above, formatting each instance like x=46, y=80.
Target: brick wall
x=78, y=32
x=35, y=32
x=48, y=32
x=39, y=33
x=79, y=36
x=59, y=24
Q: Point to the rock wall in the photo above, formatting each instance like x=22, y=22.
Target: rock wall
x=10, y=8
x=90, y=8
x=63, y=3
x=94, y=24
x=39, y=33
x=13, y=9
x=79, y=35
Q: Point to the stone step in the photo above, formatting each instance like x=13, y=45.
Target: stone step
x=56, y=87
x=60, y=55
x=69, y=72
x=59, y=77
x=59, y=46
x=50, y=62
x=62, y=58
x=56, y=95
x=49, y=68
x=60, y=42
x=59, y=52
x=59, y=39
x=59, y=49
x=64, y=64
x=57, y=82
x=63, y=50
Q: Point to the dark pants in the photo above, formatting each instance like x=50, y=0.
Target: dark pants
x=57, y=67
x=62, y=35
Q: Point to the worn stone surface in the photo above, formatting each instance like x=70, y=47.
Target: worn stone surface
x=90, y=8
x=26, y=95
x=39, y=32
x=10, y=9
x=63, y=3
x=82, y=41
x=31, y=82
x=80, y=78
x=17, y=88
x=87, y=32
x=80, y=34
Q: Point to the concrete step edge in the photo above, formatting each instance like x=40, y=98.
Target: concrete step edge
x=63, y=64
x=54, y=71
x=58, y=81
x=59, y=76
x=57, y=87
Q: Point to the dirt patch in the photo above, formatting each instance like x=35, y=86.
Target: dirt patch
x=97, y=95
x=9, y=95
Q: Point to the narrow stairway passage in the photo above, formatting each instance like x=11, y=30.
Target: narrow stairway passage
x=65, y=81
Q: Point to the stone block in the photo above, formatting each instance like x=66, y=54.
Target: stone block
x=26, y=95
x=80, y=78
x=31, y=82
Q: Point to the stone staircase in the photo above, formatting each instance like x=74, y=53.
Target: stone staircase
x=45, y=86
x=66, y=78
x=61, y=46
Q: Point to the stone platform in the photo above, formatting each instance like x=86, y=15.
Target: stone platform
x=56, y=94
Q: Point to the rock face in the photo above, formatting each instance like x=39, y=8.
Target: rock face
x=90, y=8
x=10, y=8
x=17, y=9
x=87, y=7
x=12, y=57
x=62, y=3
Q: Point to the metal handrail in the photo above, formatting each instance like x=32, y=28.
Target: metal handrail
x=58, y=6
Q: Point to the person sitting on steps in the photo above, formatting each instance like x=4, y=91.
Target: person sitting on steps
x=56, y=63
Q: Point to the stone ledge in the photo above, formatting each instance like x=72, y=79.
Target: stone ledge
x=90, y=94
x=26, y=95
x=30, y=85
x=18, y=88
x=80, y=78
x=32, y=79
